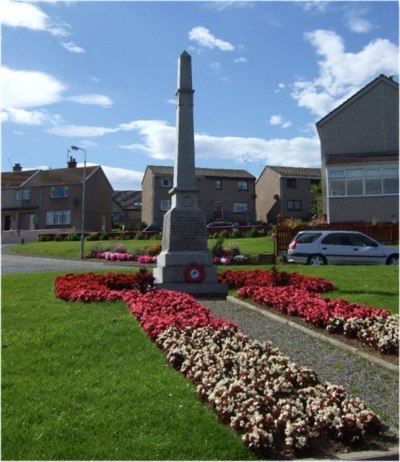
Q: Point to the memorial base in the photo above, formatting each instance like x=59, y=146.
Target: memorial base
x=204, y=291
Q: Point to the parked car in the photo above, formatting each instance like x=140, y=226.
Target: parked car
x=339, y=247
x=221, y=224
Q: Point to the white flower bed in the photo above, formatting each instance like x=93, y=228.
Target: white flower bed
x=273, y=403
x=380, y=333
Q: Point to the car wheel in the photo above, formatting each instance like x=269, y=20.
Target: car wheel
x=316, y=260
x=393, y=260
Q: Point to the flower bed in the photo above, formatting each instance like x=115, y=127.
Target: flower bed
x=274, y=404
x=90, y=287
x=372, y=327
x=237, y=279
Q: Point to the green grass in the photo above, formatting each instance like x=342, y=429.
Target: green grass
x=71, y=249
x=376, y=286
x=82, y=381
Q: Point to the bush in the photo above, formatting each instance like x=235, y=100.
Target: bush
x=72, y=237
x=59, y=237
x=254, y=232
x=218, y=248
x=92, y=237
x=104, y=237
x=236, y=233
x=43, y=238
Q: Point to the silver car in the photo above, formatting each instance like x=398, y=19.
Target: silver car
x=339, y=248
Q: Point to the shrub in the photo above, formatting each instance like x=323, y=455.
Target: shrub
x=218, y=248
x=43, y=238
x=92, y=237
x=254, y=232
x=59, y=237
x=236, y=233
x=104, y=237
x=72, y=237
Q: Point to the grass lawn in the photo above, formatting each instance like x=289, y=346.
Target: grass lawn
x=82, y=381
x=71, y=249
x=376, y=286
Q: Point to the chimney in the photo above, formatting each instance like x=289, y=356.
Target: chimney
x=17, y=168
x=72, y=162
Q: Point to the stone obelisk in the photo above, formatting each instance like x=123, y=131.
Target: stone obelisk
x=185, y=264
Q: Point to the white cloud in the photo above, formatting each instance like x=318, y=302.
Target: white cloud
x=123, y=179
x=92, y=99
x=158, y=138
x=20, y=14
x=278, y=120
x=77, y=131
x=72, y=47
x=342, y=73
x=241, y=59
x=22, y=89
x=355, y=22
x=158, y=142
x=206, y=39
x=22, y=116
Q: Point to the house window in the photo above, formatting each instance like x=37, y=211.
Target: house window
x=369, y=181
x=165, y=205
x=22, y=194
x=218, y=184
x=354, y=181
x=337, y=186
x=240, y=207
x=166, y=182
x=291, y=183
x=390, y=180
x=243, y=186
x=58, y=192
x=315, y=182
x=218, y=207
x=58, y=217
x=294, y=205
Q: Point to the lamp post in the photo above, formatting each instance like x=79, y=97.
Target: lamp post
x=77, y=148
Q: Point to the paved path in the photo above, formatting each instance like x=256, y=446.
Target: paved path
x=21, y=264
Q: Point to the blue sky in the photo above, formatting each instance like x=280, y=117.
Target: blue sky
x=103, y=76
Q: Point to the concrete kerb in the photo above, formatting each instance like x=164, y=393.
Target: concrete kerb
x=319, y=336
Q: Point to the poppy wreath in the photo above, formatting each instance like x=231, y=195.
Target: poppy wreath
x=194, y=273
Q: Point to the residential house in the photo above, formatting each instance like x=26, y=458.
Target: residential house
x=127, y=209
x=52, y=199
x=286, y=191
x=360, y=155
x=223, y=194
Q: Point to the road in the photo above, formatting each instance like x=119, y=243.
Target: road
x=19, y=264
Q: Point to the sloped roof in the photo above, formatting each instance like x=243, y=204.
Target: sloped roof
x=298, y=172
x=128, y=200
x=16, y=179
x=379, y=80
x=213, y=172
x=61, y=176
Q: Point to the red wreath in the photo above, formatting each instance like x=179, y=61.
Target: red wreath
x=194, y=273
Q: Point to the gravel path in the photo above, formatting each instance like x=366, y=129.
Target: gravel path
x=377, y=386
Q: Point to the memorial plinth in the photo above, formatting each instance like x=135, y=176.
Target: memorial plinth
x=185, y=264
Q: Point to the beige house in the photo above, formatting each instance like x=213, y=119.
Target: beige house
x=127, y=209
x=285, y=191
x=52, y=199
x=224, y=194
x=360, y=155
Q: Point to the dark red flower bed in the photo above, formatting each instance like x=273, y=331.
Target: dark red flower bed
x=90, y=287
x=275, y=405
x=274, y=278
x=162, y=309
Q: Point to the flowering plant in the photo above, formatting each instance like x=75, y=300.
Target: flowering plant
x=237, y=279
x=273, y=403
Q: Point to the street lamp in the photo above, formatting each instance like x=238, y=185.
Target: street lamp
x=77, y=148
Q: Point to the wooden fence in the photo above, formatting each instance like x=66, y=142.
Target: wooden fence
x=385, y=233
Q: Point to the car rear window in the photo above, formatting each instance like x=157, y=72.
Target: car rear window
x=307, y=238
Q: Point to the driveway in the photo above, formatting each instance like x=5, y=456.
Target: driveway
x=20, y=264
